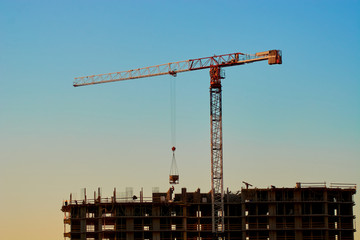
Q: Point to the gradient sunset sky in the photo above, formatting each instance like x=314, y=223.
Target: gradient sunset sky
x=282, y=124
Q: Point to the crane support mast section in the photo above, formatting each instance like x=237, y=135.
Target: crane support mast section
x=217, y=182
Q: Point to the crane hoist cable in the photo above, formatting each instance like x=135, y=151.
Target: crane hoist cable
x=173, y=110
x=174, y=173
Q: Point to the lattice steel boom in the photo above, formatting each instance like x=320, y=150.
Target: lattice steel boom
x=215, y=64
x=226, y=60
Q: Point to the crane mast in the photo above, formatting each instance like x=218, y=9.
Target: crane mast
x=217, y=182
x=215, y=64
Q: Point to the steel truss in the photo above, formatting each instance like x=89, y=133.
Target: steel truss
x=217, y=183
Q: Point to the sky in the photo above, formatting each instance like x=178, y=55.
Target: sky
x=282, y=124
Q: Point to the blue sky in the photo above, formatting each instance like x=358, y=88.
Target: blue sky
x=295, y=122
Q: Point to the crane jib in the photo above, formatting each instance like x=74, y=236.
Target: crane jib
x=226, y=60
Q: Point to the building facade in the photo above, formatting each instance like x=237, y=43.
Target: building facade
x=298, y=213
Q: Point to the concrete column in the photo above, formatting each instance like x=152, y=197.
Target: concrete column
x=98, y=227
x=243, y=218
x=129, y=211
x=83, y=223
x=129, y=227
x=185, y=222
x=272, y=215
x=298, y=214
x=326, y=209
x=156, y=223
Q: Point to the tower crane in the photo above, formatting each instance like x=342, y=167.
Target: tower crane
x=215, y=64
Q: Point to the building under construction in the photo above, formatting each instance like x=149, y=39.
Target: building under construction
x=303, y=212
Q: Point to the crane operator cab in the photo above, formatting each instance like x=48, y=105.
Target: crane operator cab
x=174, y=174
